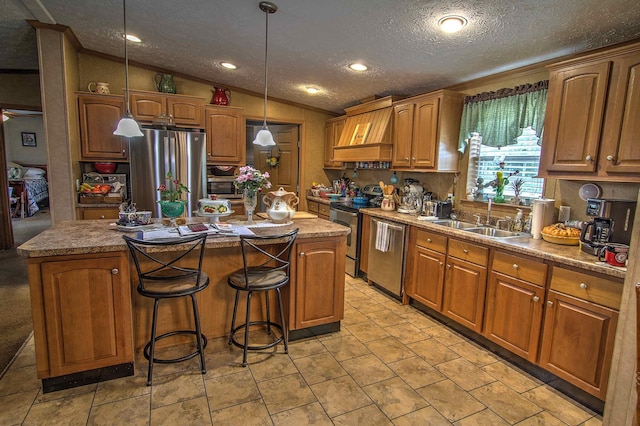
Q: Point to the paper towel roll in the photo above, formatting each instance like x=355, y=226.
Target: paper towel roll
x=543, y=210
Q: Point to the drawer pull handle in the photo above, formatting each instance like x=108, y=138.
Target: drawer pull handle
x=440, y=263
x=610, y=157
x=536, y=299
x=588, y=158
x=301, y=254
x=114, y=271
x=428, y=240
x=448, y=266
x=123, y=151
x=583, y=286
x=515, y=266
x=465, y=251
x=549, y=303
x=102, y=216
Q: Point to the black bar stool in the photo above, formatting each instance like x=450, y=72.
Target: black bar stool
x=162, y=278
x=263, y=271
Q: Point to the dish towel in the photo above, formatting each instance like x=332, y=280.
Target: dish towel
x=382, y=237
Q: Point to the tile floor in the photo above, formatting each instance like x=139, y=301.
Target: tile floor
x=389, y=365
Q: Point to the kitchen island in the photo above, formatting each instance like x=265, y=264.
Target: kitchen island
x=88, y=316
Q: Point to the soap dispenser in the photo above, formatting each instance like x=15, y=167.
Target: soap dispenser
x=518, y=222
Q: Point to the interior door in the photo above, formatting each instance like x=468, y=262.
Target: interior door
x=285, y=174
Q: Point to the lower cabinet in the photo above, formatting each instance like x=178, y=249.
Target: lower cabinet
x=317, y=297
x=364, y=243
x=427, y=268
x=81, y=309
x=89, y=213
x=322, y=210
x=465, y=283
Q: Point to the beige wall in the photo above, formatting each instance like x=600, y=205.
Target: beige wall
x=20, y=90
x=13, y=140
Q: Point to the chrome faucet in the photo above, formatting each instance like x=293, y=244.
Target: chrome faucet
x=489, y=212
x=478, y=217
x=506, y=219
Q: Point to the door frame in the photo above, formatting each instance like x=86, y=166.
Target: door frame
x=301, y=151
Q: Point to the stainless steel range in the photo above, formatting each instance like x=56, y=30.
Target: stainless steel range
x=348, y=213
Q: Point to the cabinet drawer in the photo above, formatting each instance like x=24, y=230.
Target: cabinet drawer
x=323, y=210
x=432, y=241
x=587, y=287
x=521, y=268
x=313, y=206
x=470, y=252
x=99, y=213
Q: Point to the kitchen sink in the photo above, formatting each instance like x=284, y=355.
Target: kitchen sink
x=454, y=224
x=494, y=233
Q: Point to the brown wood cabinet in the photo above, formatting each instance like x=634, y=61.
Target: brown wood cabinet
x=590, y=125
x=426, y=132
x=317, y=296
x=426, y=267
x=514, y=306
x=89, y=213
x=187, y=111
x=226, y=140
x=364, y=243
x=465, y=283
x=99, y=116
x=332, y=131
x=81, y=309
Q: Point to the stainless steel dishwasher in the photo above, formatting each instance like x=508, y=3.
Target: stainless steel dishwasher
x=386, y=266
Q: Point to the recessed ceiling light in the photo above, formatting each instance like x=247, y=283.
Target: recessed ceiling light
x=452, y=24
x=312, y=90
x=133, y=38
x=228, y=65
x=358, y=67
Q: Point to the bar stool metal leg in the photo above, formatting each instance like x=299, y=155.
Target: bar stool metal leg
x=285, y=338
x=233, y=317
x=266, y=296
x=196, y=319
x=246, y=329
x=152, y=348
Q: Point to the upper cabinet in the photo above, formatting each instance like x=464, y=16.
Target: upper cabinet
x=591, y=122
x=99, y=116
x=187, y=111
x=332, y=131
x=225, y=130
x=426, y=129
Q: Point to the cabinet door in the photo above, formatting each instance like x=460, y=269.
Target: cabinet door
x=574, y=118
x=514, y=315
x=319, y=282
x=332, y=132
x=425, y=134
x=577, y=342
x=88, y=313
x=428, y=277
x=89, y=213
x=364, y=243
x=145, y=106
x=225, y=131
x=99, y=117
x=402, y=134
x=620, y=152
x=186, y=111
x=464, y=293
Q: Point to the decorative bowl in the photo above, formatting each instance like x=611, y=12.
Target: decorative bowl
x=105, y=167
x=566, y=241
x=333, y=196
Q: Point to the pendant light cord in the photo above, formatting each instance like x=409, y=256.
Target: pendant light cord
x=126, y=58
x=266, y=55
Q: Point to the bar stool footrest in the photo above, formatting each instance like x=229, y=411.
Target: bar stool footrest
x=257, y=347
x=147, y=347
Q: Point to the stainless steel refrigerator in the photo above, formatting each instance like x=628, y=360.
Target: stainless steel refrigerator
x=183, y=153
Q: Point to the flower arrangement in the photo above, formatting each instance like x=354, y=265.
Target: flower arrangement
x=251, y=180
x=172, y=190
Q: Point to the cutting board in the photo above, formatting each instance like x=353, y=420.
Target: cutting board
x=298, y=215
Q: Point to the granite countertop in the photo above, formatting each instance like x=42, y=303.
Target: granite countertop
x=566, y=255
x=100, y=236
x=319, y=199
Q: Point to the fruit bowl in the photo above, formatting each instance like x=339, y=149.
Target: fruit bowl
x=105, y=167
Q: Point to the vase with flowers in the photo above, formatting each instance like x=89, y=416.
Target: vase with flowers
x=251, y=181
x=171, y=202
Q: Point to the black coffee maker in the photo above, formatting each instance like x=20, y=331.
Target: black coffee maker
x=612, y=222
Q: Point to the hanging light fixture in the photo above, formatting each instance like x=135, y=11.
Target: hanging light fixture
x=264, y=136
x=127, y=126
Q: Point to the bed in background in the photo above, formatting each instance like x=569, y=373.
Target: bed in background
x=30, y=179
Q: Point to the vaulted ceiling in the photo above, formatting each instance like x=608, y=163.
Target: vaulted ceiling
x=312, y=42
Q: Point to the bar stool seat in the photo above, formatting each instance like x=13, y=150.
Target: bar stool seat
x=263, y=271
x=164, y=278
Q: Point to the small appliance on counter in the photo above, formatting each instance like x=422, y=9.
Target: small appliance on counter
x=612, y=223
x=439, y=209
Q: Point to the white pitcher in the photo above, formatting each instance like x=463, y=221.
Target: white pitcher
x=280, y=205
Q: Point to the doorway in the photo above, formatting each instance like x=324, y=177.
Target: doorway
x=281, y=160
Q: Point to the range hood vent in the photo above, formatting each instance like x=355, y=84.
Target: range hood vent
x=367, y=132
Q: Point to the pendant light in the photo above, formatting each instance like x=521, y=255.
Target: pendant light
x=264, y=136
x=127, y=126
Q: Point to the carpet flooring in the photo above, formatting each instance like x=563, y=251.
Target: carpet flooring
x=15, y=306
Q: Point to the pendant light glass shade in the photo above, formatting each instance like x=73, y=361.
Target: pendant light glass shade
x=127, y=126
x=264, y=136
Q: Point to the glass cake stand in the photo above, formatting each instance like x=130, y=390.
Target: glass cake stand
x=213, y=217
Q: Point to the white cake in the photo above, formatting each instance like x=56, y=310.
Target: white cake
x=219, y=206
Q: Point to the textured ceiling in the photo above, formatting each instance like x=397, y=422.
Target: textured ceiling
x=312, y=42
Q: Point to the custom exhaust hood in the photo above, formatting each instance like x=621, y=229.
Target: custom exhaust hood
x=367, y=132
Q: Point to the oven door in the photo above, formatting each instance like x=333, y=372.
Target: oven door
x=350, y=220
